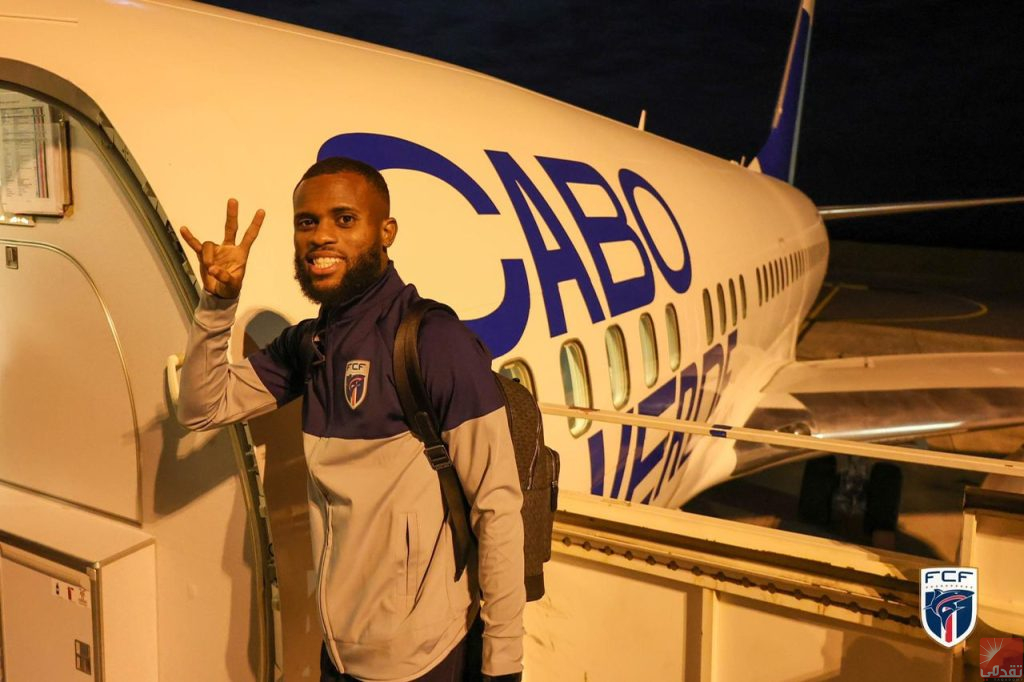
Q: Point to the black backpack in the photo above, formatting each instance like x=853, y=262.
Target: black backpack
x=537, y=464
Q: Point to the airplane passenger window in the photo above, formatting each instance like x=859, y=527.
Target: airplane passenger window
x=709, y=322
x=518, y=370
x=618, y=365
x=743, y=297
x=575, y=383
x=760, y=296
x=649, y=348
x=732, y=301
x=721, y=308
x=674, y=343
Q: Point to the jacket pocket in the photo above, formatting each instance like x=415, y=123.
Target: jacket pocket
x=408, y=548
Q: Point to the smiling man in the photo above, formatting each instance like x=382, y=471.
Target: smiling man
x=389, y=604
x=333, y=270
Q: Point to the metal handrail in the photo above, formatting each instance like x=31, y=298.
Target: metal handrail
x=893, y=453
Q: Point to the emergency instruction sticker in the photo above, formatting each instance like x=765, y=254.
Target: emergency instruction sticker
x=68, y=592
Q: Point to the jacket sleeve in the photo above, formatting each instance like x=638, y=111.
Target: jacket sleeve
x=465, y=396
x=215, y=392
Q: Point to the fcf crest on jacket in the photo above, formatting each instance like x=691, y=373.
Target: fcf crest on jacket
x=356, y=374
x=949, y=605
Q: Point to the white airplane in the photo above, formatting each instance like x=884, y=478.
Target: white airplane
x=602, y=265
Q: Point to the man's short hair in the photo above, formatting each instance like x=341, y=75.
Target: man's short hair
x=343, y=164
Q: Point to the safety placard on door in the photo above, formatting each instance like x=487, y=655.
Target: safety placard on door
x=68, y=592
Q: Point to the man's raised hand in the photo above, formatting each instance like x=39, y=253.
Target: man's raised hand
x=222, y=266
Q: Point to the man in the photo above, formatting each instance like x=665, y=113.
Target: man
x=390, y=608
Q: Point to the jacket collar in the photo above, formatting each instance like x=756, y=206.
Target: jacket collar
x=380, y=292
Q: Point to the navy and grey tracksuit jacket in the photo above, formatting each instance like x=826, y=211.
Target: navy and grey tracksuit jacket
x=389, y=605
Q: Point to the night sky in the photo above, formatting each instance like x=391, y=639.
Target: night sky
x=905, y=100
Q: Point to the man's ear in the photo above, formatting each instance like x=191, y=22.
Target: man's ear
x=388, y=232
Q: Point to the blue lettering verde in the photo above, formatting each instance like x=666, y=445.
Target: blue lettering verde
x=668, y=455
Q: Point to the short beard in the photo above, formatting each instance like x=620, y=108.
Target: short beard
x=360, y=276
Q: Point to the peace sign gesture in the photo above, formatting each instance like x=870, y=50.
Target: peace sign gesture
x=222, y=266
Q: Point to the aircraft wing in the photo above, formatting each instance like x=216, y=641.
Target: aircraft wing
x=887, y=399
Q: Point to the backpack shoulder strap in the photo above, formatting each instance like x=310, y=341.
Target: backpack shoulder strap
x=424, y=424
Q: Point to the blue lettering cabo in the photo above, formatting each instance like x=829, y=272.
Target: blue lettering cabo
x=502, y=329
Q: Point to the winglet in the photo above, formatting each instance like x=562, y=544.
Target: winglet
x=778, y=155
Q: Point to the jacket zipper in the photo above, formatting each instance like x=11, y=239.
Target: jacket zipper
x=328, y=529
x=321, y=338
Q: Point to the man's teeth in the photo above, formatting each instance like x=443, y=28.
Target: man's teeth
x=325, y=262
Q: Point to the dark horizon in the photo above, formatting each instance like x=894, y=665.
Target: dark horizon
x=903, y=102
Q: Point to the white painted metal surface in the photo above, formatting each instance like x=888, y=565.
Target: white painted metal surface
x=41, y=629
x=128, y=617
x=640, y=593
x=65, y=342
x=77, y=594
x=993, y=541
